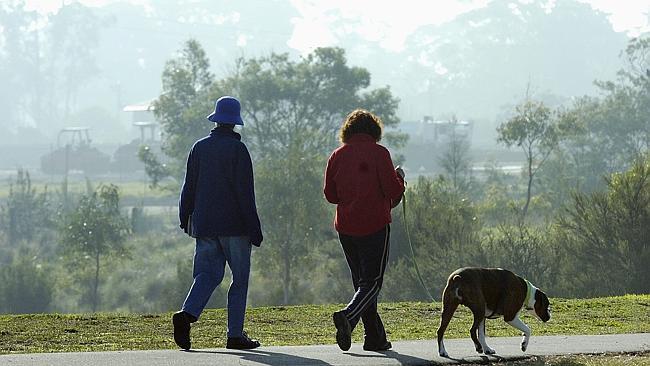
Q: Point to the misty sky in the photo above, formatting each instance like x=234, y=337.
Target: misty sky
x=379, y=21
x=467, y=58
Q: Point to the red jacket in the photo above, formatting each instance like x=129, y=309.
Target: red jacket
x=361, y=181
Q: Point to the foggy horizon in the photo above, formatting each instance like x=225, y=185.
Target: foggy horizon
x=432, y=63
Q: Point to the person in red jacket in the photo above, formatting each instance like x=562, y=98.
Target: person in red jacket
x=361, y=181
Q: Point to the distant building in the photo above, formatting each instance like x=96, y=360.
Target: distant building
x=142, y=118
x=433, y=132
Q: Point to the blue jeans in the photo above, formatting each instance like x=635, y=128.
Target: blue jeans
x=210, y=258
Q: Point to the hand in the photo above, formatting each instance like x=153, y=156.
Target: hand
x=400, y=171
x=396, y=202
x=256, y=239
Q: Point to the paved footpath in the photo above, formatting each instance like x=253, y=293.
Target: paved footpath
x=403, y=353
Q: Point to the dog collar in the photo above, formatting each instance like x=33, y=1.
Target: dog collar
x=529, y=301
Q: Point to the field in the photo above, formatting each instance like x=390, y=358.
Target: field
x=302, y=325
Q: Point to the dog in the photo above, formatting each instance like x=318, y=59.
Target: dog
x=491, y=293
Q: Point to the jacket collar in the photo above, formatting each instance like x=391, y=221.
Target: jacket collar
x=223, y=131
x=360, y=137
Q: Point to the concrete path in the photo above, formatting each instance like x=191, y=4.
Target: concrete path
x=403, y=353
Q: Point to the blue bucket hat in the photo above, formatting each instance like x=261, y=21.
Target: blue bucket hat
x=227, y=110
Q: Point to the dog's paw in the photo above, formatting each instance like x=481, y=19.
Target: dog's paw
x=479, y=349
x=524, y=346
x=441, y=350
x=490, y=351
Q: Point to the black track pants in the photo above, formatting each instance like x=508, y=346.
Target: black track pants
x=367, y=257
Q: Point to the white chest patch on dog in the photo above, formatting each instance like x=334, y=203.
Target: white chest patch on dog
x=529, y=301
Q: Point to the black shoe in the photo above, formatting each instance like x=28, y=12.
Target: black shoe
x=181, y=321
x=343, y=330
x=372, y=347
x=242, y=342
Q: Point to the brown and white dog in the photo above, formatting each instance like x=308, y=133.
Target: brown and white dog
x=490, y=293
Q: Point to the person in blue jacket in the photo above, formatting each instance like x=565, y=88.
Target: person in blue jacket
x=217, y=207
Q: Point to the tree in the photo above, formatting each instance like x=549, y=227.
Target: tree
x=48, y=65
x=441, y=221
x=534, y=130
x=286, y=101
x=18, y=62
x=522, y=249
x=93, y=233
x=455, y=159
x=155, y=170
x=610, y=230
x=181, y=109
x=293, y=214
x=292, y=111
x=581, y=146
x=282, y=101
x=628, y=101
x=71, y=39
x=26, y=214
x=25, y=286
x=603, y=135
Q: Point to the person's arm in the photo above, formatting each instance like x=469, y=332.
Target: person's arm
x=329, y=186
x=392, y=184
x=245, y=190
x=186, y=201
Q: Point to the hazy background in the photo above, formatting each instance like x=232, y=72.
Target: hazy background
x=465, y=58
x=88, y=217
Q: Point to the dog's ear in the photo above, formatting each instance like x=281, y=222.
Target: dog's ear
x=542, y=296
x=541, y=299
x=542, y=305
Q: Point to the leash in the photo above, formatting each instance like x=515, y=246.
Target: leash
x=408, y=237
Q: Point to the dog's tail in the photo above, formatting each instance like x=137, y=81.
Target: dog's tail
x=454, y=287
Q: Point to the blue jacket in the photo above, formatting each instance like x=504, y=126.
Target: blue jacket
x=218, y=190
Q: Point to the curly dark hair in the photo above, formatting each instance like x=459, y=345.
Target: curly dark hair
x=361, y=121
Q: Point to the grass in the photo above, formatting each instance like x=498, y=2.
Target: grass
x=637, y=359
x=302, y=325
x=131, y=191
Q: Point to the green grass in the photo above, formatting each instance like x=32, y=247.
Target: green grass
x=300, y=325
x=638, y=359
x=129, y=190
